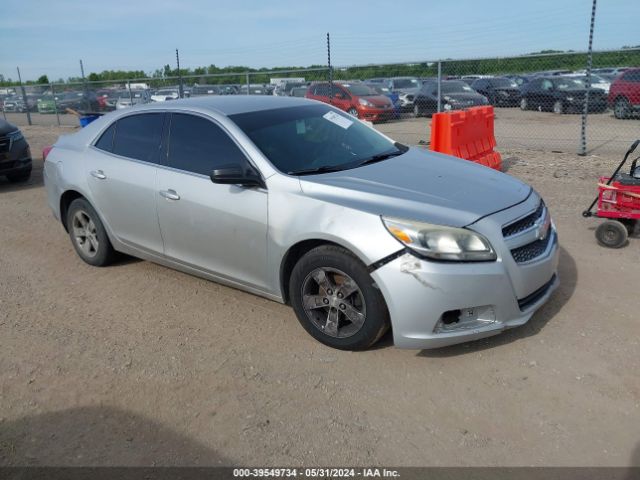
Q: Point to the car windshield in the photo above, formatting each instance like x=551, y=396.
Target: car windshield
x=166, y=92
x=503, y=83
x=359, y=89
x=567, y=83
x=455, y=87
x=594, y=79
x=406, y=83
x=314, y=138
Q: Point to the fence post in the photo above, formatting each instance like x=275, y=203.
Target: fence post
x=248, y=93
x=24, y=97
x=439, y=85
x=130, y=94
x=55, y=103
x=585, y=109
x=330, y=68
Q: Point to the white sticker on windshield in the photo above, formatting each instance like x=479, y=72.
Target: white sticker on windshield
x=339, y=120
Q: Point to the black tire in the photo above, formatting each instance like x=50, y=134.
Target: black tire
x=621, y=108
x=338, y=263
x=19, y=177
x=93, y=245
x=612, y=234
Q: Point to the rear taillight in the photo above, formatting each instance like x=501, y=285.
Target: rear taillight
x=45, y=151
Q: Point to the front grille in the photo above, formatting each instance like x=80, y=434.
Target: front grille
x=5, y=144
x=533, y=298
x=533, y=250
x=524, y=223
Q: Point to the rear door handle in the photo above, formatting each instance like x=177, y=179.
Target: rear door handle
x=170, y=194
x=99, y=174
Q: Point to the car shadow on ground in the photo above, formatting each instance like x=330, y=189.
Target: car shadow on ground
x=568, y=273
x=98, y=436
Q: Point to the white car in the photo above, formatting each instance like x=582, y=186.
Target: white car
x=596, y=80
x=163, y=95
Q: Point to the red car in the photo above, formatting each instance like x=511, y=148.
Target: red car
x=624, y=93
x=354, y=98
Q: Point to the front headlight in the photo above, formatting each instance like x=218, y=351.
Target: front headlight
x=569, y=99
x=365, y=102
x=441, y=243
x=15, y=135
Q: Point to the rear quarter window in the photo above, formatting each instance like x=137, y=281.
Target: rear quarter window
x=105, y=142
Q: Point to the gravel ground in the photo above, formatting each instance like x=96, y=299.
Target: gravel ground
x=137, y=364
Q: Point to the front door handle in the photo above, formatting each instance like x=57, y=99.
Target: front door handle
x=170, y=194
x=99, y=174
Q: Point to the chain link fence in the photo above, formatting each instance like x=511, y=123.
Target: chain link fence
x=539, y=99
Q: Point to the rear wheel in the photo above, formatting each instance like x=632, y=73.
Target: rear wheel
x=558, y=107
x=621, y=108
x=336, y=301
x=88, y=235
x=353, y=111
x=523, y=104
x=612, y=234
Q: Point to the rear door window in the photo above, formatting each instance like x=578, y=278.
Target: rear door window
x=139, y=137
x=106, y=139
x=198, y=145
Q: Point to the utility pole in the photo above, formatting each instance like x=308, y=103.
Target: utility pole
x=84, y=86
x=24, y=97
x=330, y=69
x=180, y=89
x=585, y=109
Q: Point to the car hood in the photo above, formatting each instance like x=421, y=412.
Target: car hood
x=377, y=100
x=407, y=90
x=420, y=185
x=6, y=127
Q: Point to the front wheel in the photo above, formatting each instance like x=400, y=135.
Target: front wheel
x=353, y=112
x=336, y=301
x=612, y=234
x=19, y=177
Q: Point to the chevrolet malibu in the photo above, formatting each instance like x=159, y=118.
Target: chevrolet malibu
x=299, y=202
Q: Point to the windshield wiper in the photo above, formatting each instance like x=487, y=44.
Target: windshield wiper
x=322, y=169
x=384, y=156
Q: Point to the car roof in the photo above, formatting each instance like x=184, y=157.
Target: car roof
x=231, y=104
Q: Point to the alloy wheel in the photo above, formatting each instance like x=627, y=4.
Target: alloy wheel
x=333, y=302
x=85, y=233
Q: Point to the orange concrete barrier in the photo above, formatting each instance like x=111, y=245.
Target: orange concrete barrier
x=466, y=134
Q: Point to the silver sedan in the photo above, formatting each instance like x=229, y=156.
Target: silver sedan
x=301, y=203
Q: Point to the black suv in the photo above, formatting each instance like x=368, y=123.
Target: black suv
x=455, y=95
x=15, y=155
x=500, y=91
x=560, y=95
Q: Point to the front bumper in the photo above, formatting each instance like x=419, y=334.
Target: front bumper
x=377, y=114
x=490, y=297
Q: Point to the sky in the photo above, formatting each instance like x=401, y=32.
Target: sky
x=51, y=36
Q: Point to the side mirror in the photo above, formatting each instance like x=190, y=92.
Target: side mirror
x=246, y=176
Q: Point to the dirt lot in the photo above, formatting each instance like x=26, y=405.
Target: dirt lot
x=138, y=364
